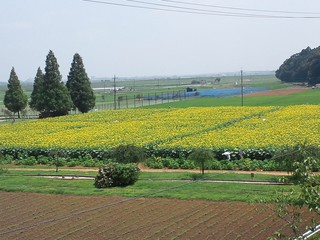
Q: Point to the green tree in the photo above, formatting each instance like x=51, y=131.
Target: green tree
x=37, y=102
x=304, y=160
x=15, y=99
x=128, y=154
x=56, y=97
x=314, y=69
x=301, y=67
x=79, y=86
x=201, y=157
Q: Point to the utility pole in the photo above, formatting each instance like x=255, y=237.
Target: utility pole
x=114, y=93
x=241, y=74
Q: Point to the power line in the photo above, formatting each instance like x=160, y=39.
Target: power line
x=240, y=9
x=196, y=9
x=158, y=9
x=189, y=10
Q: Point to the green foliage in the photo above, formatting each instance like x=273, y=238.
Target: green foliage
x=302, y=160
x=58, y=159
x=15, y=99
x=55, y=99
x=128, y=154
x=170, y=163
x=301, y=67
x=292, y=159
x=43, y=160
x=116, y=174
x=37, y=97
x=79, y=86
x=201, y=157
x=29, y=161
x=2, y=162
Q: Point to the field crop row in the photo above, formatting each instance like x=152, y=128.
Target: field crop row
x=43, y=216
x=216, y=127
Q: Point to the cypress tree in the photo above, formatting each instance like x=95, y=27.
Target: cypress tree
x=56, y=97
x=79, y=86
x=37, y=102
x=15, y=99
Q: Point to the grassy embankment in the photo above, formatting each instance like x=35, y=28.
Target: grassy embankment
x=149, y=185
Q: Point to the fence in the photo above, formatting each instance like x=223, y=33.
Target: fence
x=122, y=102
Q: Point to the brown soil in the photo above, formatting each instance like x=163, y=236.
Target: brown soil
x=146, y=169
x=284, y=91
x=45, y=216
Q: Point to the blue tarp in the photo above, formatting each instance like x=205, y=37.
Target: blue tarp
x=225, y=92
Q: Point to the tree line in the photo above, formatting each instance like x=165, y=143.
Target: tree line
x=301, y=67
x=50, y=96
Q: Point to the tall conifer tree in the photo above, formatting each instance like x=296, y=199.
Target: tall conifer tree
x=37, y=102
x=15, y=99
x=79, y=86
x=56, y=97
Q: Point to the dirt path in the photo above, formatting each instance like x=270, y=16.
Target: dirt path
x=283, y=91
x=145, y=169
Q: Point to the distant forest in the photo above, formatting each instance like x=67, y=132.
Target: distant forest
x=301, y=67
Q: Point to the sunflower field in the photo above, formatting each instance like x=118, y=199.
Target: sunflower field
x=169, y=131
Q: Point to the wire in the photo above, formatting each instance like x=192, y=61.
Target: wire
x=158, y=9
x=196, y=9
x=240, y=9
x=180, y=9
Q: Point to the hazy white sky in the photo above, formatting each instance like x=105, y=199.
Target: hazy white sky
x=139, y=42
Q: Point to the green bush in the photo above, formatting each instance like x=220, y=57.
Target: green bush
x=187, y=164
x=154, y=162
x=228, y=165
x=201, y=157
x=72, y=163
x=214, y=165
x=116, y=174
x=128, y=154
x=58, y=162
x=170, y=163
x=43, y=160
x=90, y=163
x=269, y=165
x=29, y=161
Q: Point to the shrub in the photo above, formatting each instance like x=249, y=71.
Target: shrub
x=170, y=163
x=72, y=163
x=154, y=162
x=187, y=164
x=58, y=162
x=43, y=160
x=128, y=154
x=29, y=161
x=201, y=157
x=214, y=165
x=116, y=174
x=270, y=165
x=228, y=165
x=90, y=163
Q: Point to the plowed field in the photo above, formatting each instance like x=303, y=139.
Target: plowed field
x=277, y=92
x=42, y=216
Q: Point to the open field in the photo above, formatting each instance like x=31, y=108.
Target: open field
x=160, y=205
x=134, y=90
x=280, y=97
x=42, y=216
x=187, y=128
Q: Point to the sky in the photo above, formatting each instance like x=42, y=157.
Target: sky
x=137, y=41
